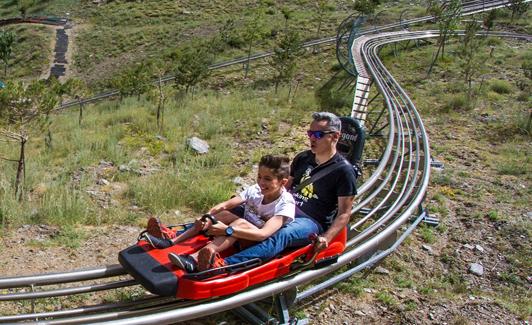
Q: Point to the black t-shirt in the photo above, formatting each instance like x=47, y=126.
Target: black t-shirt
x=319, y=199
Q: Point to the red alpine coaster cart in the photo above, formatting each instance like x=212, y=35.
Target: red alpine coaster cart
x=152, y=268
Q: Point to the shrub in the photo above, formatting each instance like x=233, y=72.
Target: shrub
x=493, y=215
x=500, y=86
x=456, y=102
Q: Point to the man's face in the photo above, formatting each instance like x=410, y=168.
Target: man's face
x=324, y=141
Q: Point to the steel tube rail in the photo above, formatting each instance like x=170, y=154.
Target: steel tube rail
x=66, y=291
x=85, y=309
x=359, y=249
x=345, y=275
x=62, y=277
x=385, y=88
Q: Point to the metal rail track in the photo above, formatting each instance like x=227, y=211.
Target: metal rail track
x=389, y=197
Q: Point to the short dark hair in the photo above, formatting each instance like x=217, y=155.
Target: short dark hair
x=280, y=165
x=333, y=122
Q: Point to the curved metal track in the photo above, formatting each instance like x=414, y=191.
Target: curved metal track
x=386, y=202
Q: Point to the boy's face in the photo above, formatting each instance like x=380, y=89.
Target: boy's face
x=270, y=185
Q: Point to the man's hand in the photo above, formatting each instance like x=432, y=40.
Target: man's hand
x=217, y=230
x=321, y=243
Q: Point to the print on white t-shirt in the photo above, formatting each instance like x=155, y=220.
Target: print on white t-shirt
x=257, y=213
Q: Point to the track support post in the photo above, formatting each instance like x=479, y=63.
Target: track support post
x=255, y=315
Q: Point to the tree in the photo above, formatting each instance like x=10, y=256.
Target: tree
x=192, y=65
x=133, y=81
x=471, y=60
x=527, y=71
x=287, y=50
x=7, y=38
x=518, y=8
x=24, y=6
x=366, y=7
x=446, y=15
x=157, y=93
x=287, y=15
x=489, y=19
x=71, y=88
x=321, y=10
x=229, y=34
x=253, y=32
x=24, y=109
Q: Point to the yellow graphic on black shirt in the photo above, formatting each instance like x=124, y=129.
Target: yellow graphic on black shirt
x=307, y=191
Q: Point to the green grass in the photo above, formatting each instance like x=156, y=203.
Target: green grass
x=427, y=234
x=456, y=102
x=514, y=159
x=386, y=298
x=60, y=180
x=355, y=285
x=31, y=52
x=117, y=34
x=59, y=8
x=404, y=282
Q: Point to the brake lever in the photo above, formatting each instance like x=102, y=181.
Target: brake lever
x=210, y=217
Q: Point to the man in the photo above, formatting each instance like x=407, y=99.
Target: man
x=324, y=205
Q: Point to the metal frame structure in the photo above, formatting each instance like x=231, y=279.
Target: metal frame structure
x=387, y=204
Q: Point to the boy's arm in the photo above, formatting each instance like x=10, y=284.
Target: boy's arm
x=270, y=227
x=227, y=205
x=345, y=204
x=201, y=225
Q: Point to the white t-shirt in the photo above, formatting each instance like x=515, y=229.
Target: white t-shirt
x=257, y=213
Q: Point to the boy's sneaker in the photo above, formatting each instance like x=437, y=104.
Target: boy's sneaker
x=157, y=242
x=157, y=229
x=209, y=259
x=184, y=262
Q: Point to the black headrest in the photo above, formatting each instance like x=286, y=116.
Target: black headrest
x=352, y=140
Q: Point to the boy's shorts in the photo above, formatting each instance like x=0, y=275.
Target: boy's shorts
x=239, y=212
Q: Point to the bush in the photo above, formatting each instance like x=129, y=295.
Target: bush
x=456, y=102
x=500, y=86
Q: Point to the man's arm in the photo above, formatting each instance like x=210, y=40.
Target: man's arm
x=345, y=204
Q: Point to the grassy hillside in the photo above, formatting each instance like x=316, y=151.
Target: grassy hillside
x=147, y=171
x=111, y=36
x=31, y=53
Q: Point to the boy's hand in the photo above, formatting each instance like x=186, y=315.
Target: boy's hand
x=217, y=208
x=218, y=229
x=201, y=225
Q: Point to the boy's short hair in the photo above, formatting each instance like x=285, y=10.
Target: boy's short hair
x=333, y=121
x=280, y=165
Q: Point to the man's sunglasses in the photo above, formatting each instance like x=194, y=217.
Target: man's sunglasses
x=318, y=134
